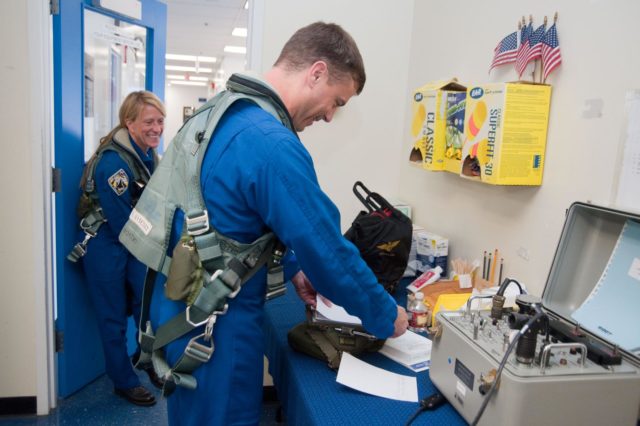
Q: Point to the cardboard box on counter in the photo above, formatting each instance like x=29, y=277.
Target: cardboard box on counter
x=431, y=250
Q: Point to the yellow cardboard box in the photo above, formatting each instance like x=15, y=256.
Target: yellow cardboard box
x=428, y=126
x=454, y=111
x=506, y=133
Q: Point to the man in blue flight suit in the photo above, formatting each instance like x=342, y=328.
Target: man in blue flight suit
x=256, y=176
x=121, y=166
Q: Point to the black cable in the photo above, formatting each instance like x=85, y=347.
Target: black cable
x=504, y=285
x=539, y=314
x=414, y=416
x=431, y=402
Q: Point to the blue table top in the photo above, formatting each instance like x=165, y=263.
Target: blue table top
x=308, y=390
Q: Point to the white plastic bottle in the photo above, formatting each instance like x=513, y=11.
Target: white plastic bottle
x=418, y=313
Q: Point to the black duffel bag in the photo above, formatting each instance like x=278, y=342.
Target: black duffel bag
x=382, y=234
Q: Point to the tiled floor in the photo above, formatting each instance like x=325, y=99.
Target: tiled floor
x=96, y=404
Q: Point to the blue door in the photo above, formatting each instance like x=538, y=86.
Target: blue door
x=100, y=55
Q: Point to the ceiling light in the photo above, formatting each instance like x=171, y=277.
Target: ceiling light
x=239, y=32
x=192, y=58
x=235, y=49
x=186, y=77
x=187, y=69
x=196, y=78
x=188, y=83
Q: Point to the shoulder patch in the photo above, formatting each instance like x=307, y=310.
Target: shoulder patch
x=119, y=181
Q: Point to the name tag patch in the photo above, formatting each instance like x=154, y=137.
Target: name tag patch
x=142, y=222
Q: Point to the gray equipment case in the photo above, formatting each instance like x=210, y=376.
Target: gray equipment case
x=563, y=385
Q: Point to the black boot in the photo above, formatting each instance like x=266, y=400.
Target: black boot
x=138, y=396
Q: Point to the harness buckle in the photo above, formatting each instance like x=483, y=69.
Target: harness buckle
x=223, y=311
x=231, y=295
x=194, y=324
x=197, y=225
x=198, y=351
x=89, y=222
x=80, y=249
x=235, y=292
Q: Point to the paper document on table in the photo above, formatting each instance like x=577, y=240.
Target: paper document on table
x=411, y=350
x=366, y=378
x=611, y=310
x=335, y=313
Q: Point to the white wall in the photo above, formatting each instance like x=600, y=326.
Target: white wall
x=599, y=63
x=17, y=303
x=175, y=98
x=229, y=64
x=178, y=96
x=364, y=140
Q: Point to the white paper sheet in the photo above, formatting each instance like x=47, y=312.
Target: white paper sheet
x=376, y=381
x=611, y=310
x=627, y=194
x=335, y=313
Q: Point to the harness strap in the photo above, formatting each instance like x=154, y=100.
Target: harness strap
x=224, y=272
x=275, y=272
x=212, y=298
x=94, y=218
x=90, y=225
x=209, y=303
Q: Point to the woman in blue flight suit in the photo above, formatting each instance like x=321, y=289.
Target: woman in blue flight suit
x=115, y=278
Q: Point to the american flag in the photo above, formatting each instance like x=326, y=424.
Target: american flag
x=550, y=52
x=532, y=49
x=506, y=51
x=525, y=32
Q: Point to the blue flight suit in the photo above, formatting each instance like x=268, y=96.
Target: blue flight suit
x=256, y=175
x=115, y=278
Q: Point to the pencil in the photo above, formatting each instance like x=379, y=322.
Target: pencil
x=484, y=264
x=495, y=265
x=500, y=274
x=488, y=267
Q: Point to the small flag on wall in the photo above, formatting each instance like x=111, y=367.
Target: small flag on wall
x=506, y=51
x=531, y=50
x=535, y=43
x=523, y=48
x=551, y=57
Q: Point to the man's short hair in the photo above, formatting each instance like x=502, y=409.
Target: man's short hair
x=327, y=42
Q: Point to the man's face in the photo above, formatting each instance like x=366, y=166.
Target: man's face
x=147, y=128
x=323, y=101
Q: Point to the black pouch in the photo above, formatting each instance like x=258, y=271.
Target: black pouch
x=327, y=341
x=383, y=235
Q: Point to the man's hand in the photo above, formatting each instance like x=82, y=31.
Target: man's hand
x=305, y=290
x=401, y=323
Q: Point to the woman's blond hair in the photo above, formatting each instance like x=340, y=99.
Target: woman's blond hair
x=130, y=109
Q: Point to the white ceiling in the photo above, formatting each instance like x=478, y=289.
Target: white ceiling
x=203, y=28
